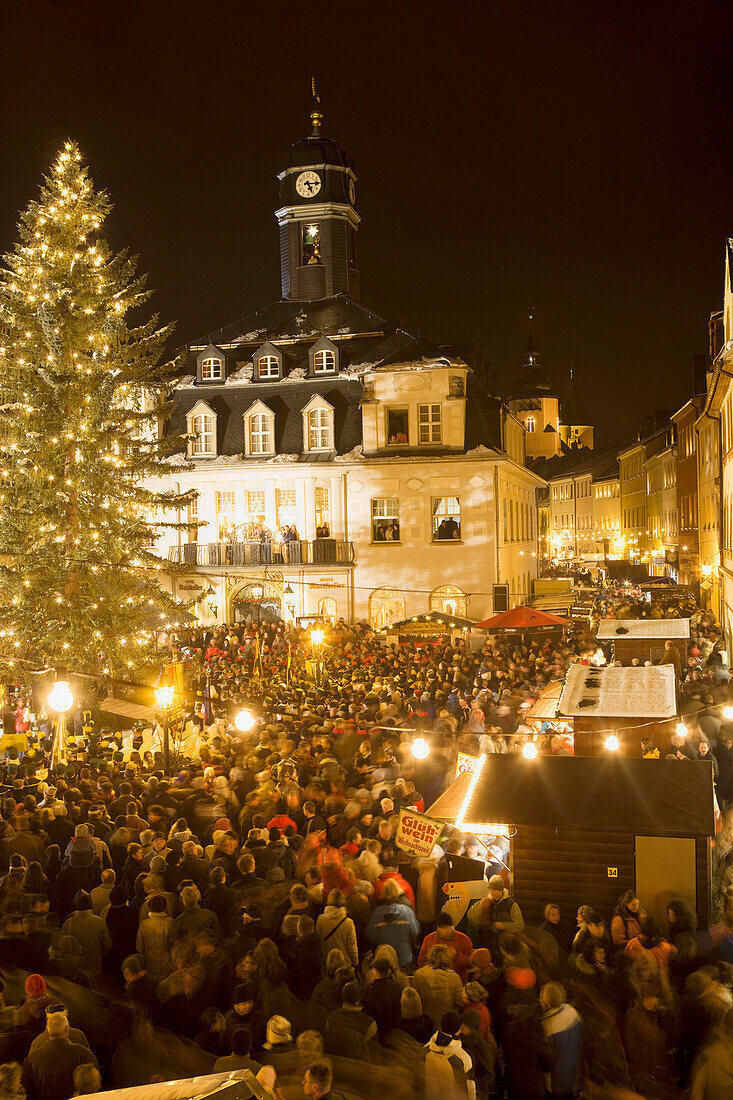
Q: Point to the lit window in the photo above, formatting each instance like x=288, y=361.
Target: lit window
x=260, y=434
x=324, y=361
x=450, y=600
x=225, y=514
x=319, y=430
x=323, y=509
x=211, y=370
x=428, y=418
x=447, y=519
x=386, y=519
x=268, y=366
x=311, y=250
x=204, y=442
x=285, y=507
x=398, y=430
x=256, y=507
x=530, y=423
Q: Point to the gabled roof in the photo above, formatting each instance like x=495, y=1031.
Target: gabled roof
x=522, y=619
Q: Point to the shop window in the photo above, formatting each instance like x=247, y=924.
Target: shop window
x=398, y=427
x=311, y=245
x=429, y=423
x=386, y=606
x=255, y=508
x=450, y=600
x=446, y=518
x=385, y=519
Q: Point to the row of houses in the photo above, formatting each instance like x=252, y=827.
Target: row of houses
x=662, y=501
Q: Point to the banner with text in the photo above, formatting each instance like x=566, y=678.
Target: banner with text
x=466, y=764
x=417, y=834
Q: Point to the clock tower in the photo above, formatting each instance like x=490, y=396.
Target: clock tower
x=318, y=219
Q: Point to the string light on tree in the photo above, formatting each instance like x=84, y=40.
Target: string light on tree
x=77, y=379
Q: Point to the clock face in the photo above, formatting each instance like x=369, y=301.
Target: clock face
x=308, y=184
x=352, y=192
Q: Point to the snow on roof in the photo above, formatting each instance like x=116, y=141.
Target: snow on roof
x=614, y=692
x=644, y=628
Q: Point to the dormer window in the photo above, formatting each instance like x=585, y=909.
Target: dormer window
x=324, y=362
x=268, y=362
x=201, y=423
x=318, y=432
x=323, y=357
x=530, y=424
x=429, y=423
x=259, y=430
x=211, y=365
x=212, y=370
x=268, y=366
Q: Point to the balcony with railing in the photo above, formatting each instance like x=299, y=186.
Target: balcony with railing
x=318, y=552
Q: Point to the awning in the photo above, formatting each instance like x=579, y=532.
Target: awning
x=125, y=709
x=522, y=620
x=645, y=797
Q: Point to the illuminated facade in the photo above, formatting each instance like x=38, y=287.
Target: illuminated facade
x=344, y=467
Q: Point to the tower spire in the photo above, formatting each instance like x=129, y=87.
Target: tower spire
x=529, y=351
x=316, y=116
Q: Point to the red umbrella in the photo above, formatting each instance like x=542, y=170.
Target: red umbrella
x=522, y=620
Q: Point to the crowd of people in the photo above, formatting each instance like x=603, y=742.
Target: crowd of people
x=251, y=910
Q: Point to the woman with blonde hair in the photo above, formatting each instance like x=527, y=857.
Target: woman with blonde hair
x=439, y=986
x=412, y=1019
x=11, y=1083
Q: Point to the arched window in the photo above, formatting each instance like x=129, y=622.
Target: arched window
x=450, y=600
x=260, y=434
x=531, y=424
x=327, y=608
x=268, y=366
x=212, y=370
x=324, y=362
x=204, y=433
x=320, y=431
x=386, y=606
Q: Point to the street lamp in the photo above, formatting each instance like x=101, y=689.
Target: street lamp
x=728, y=713
x=244, y=721
x=612, y=743
x=316, y=642
x=420, y=748
x=164, y=693
x=60, y=699
x=529, y=752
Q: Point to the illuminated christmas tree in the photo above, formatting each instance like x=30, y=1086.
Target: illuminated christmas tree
x=82, y=395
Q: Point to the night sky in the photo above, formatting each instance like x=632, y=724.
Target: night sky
x=576, y=156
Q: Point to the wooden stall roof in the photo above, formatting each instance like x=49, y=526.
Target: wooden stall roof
x=544, y=709
x=619, y=692
x=633, y=629
x=645, y=797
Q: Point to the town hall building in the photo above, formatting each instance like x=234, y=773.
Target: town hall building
x=344, y=467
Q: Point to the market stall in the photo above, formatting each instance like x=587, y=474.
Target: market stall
x=523, y=621
x=431, y=626
x=641, y=639
x=583, y=830
x=630, y=704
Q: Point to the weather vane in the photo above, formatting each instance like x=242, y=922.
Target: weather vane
x=316, y=116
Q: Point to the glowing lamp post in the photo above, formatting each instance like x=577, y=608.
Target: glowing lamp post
x=317, y=636
x=612, y=743
x=60, y=699
x=529, y=752
x=164, y=693
x=728, y=713
x=420, y=748
x=244, y=721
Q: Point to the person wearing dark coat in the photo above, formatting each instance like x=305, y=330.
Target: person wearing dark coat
x=278, y=854
x=527, y=1054
x=48, y=1072
x=193, y=918
x=382, y=999
x=81, y=871
x=122, y=922
x=308, y=969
